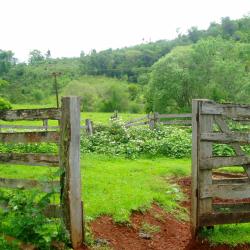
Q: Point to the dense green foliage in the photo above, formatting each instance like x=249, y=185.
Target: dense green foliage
x=212, y=63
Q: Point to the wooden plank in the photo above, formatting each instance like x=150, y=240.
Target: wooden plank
x=237, y=111
x=70, y=166
x=231, y=207
x=224, y=218
x=45, y=186
x=29, y=137
x=137, y=124
x=234, y=137
x=231, y=180
x=205, y=151
x=28, y=127
x=51, y=211
x=30, y=159
x=186, y=122
x=30, y=114
x=218, y=162
x=175, y=116
x=194, y=184
x=226, y=191
x=136, y=119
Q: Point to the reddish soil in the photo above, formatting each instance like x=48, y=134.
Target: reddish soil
x=172, y=234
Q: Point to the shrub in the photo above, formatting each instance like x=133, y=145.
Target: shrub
x=4, y=104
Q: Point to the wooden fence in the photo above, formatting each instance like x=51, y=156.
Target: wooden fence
x=68, y=139
x=166, y=119
x=218, y=201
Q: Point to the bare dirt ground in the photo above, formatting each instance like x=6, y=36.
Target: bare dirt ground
x=170, y=234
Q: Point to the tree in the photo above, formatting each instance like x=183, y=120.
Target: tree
x=36, y=57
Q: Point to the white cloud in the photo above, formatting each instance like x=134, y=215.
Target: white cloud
x=68, y=26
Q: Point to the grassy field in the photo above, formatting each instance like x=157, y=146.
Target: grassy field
x=118, y=186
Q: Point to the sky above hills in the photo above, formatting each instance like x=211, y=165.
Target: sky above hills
x=67, y=27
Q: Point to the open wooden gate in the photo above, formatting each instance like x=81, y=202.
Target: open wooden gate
x=68, y=139
x=219, y=201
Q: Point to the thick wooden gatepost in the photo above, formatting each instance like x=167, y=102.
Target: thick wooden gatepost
x=71, y=202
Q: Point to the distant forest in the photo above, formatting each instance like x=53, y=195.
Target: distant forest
x=160, y=76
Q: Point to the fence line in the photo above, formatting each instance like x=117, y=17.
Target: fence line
x=165, y=119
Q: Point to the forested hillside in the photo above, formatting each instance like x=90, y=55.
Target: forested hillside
x=163, y=76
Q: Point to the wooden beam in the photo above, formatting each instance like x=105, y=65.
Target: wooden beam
x=30, y=159
x=218, y=162
x=224, y=218
x=30, y=114
x=231, y=207
x=44, y=186
x=226, y=138
x=70, y=166
x=29, y=137
x=226, y=191
x=236, y=111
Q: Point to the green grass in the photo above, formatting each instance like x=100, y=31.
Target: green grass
x=117, y=187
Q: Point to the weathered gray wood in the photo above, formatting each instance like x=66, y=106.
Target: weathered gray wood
x=30, y=159
x=136, y=120
x=70, y=165
x=195, y=146
x=30, y=114
x=89, y=127
x=44, y=186
x=231, y=207
x=175, y=115
x=218, y=162
x=205, y=151
x=231, y=180
x=242, y=138
x=29, y=137
x=226, y=191
x=224, y=218
x=176, y=122
x=28, y=127
x=228, y=110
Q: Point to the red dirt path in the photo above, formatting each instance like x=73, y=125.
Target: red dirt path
x=173, y=234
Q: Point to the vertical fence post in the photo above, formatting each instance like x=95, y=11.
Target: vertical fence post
x=200, y=150
x=89, y=127
x=70, y=166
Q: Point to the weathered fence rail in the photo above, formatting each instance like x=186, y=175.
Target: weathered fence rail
x=68, y=139
x=166, y=119
x=210, y=125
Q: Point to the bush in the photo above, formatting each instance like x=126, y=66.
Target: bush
x=4, y=104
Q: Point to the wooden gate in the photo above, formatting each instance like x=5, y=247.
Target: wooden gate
x=68, y=139
x=219, y=201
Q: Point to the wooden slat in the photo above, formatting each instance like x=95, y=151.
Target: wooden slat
x=30, y=114
x=137, y=124
x=30, y=159
x=231, y=180
x=231, y=207
x=44, y=186
x=51, y=211
x=29, y=137
x=28, y=127
x=137, y=119
x=226, y=138
x=31, y=127
x=175, y=116
x=186, y=122
x=217, y=162
x=224, y=218
x=226, y=191
x=228, y=110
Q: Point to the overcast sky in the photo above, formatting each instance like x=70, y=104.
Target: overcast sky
x=67, y=27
